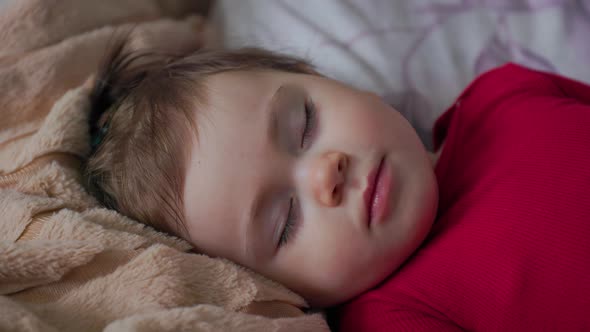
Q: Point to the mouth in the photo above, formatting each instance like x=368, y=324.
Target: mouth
x=376, y=195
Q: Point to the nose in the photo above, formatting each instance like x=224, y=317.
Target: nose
x=328, y=178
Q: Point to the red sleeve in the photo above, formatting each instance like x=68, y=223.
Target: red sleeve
x=373, y=314
x=572, y=89
x=503, y=83
x=539, y=82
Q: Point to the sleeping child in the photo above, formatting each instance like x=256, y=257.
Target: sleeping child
x=257, y=158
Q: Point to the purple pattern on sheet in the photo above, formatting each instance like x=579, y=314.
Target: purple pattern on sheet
x=500, y=49
x=499, y=5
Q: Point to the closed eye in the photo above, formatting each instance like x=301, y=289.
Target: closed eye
x=290, y=223
x=307, y=135
x=310, y=123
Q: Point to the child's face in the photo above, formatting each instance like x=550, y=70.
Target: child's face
x=254, y=156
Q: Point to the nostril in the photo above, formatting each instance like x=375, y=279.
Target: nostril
x=336, y=191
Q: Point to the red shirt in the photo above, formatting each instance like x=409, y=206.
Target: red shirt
x=510, y=248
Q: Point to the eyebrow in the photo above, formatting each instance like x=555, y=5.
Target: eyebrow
x=261, y=201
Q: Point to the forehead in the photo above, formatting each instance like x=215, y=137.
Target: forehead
x=240, y=91
x=235, y=120
x=227, y=160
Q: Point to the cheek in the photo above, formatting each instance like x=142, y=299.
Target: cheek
x=337, y=250
x=333, y=261
x=366, y=121
x=348, y=265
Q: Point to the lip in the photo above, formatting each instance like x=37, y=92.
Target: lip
x=377, y=194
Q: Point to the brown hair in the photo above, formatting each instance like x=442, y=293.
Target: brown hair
x=142, y=115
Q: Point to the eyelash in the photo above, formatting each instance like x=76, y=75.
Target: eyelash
x=310, y=123
x=308, y=131
x=289, y=224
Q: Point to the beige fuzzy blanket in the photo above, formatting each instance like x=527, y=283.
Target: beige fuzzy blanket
x=66, y=264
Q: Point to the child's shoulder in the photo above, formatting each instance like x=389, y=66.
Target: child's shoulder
x=512, y=71
x=489, y=93
x=505, y=92
x=510, y=79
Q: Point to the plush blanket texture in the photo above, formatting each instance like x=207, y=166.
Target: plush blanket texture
x=66, y=264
